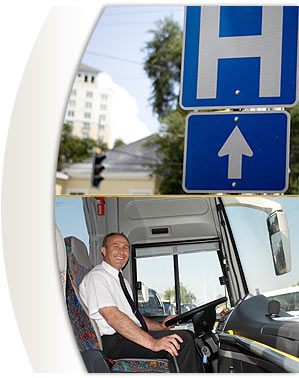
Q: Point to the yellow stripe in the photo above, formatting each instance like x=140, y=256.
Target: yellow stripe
x=275, y=350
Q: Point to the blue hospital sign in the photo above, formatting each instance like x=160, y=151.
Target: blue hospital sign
x=239, y=56
x=236, y=152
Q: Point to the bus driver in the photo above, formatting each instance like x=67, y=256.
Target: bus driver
x=125, y=333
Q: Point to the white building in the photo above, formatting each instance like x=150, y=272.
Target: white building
x=89, y=107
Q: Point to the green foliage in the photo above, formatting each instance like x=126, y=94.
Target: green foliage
x=163, y=65
x=74, y=149
x=186, y=295
x=294, y=151
x=170, y=150
x=118, y=142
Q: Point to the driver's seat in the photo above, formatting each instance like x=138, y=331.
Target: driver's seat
x=85, y=329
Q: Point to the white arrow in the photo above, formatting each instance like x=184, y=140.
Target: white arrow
x=235, y=146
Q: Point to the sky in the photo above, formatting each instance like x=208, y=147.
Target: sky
x=115, y=48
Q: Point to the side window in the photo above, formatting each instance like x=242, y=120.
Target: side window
x=288, y=302
x=296, y=300
x=194, y=267
x=151, y=301
x=200, y=272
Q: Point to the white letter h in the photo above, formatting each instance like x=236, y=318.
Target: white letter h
x=267, y=46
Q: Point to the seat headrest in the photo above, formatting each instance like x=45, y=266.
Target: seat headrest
x=80, y=252
x=77, y=258
x=61, y=252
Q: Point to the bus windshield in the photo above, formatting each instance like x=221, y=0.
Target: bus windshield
x=251, y=235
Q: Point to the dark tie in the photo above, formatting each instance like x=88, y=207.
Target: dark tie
x=131, y=302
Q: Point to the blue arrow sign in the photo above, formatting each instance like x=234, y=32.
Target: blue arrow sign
x=236, y=56
x=236, y=152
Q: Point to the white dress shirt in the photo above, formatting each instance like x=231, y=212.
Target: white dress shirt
x=101, y=288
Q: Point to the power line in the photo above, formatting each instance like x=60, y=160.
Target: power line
x=113, y=57
x=124, y=60
x=135, y=155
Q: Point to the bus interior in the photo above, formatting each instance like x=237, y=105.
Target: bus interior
x=208, y=260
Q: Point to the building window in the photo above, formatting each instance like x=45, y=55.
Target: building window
x=72, y=103
x=92, y=79
x=104, y=97
x=102, y=127
x=84, y=135
x=74, y=92
x=79, y=75
x=88, y=105
x=87, y=115
x=86, y=125
x=102, y=117
x=100, y=138
x=103, y=107
x=71, y=113
x=86, y=78
x=89, y=94
x=70, y=123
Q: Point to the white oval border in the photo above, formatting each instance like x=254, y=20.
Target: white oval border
x=28, y=189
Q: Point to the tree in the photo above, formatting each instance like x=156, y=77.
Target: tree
x=74, y=149
x=163, y=65
x=118, y=142
x=294, y=151
x=170, y=150
x=186, y=295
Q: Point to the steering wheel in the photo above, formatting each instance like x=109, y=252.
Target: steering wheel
x=189, y=314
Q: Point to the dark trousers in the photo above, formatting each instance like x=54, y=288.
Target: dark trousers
x=189, y=361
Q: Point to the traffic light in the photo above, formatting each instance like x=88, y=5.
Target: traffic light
x=97, y=169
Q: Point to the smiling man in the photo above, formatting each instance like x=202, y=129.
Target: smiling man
x=125, y=333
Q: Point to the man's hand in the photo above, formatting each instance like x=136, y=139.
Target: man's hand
x=169, y=343
x=163, y=326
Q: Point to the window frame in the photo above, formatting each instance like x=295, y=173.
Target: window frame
x=176, y=269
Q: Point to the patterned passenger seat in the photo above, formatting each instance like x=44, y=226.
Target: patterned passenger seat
x=85, y=329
